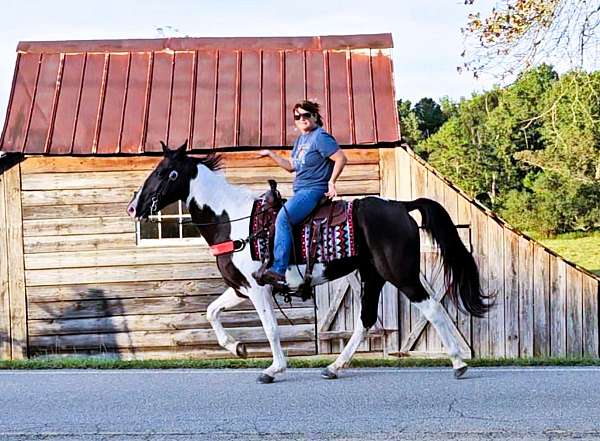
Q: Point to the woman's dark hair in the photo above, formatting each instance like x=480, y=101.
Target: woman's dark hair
x=311, y=107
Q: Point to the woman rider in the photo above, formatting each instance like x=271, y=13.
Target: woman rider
x=318, y=161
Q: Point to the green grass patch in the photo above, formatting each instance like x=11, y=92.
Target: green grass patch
x=296, y=362
x=582, y=249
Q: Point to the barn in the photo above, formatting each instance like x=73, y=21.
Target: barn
x=82, y=131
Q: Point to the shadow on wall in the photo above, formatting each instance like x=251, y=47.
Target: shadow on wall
x=91, y=325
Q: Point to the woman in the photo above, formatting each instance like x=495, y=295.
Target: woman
x=317, y=161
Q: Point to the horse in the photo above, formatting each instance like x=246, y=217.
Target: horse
x=387, y=243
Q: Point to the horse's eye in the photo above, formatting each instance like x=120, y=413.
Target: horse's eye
x=173, y=175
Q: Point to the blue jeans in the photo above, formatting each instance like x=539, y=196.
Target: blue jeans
x=295, y=211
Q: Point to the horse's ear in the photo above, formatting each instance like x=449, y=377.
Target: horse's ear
x=165, y=147
x=182, y=150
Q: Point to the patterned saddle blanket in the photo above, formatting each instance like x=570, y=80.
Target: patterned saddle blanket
x=325, y=235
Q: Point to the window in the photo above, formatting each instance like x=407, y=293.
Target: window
x=167, y=228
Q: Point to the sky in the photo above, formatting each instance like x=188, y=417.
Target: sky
x=426, y=33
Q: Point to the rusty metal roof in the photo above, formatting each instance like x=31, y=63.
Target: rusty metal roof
x=124, y=96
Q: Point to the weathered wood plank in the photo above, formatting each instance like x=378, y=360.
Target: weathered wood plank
x=163, y=322
x=131, y=256
x=511, y=293
x=591, y=294
x=52, y=244
x=5, y=346
x=136, y=289
x=81, y=226
x=203, y=351
x=558, y=299
x=464, y=218
x=43, y=164
x=72, y=211
x=344, y=188
x=115, y=307
x=134, y=340
x=404, y=173
x=133, y=179
x=496, y=287
x=481, y=340
x=541, y=302
x=322, y=301
x=574, y=308
x=329, y=335
x=66, y=276
x=388, y=173
x=526, y=297
x=16, y=284
x=86, y=196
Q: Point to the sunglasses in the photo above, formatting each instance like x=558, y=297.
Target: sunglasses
x=297, y=116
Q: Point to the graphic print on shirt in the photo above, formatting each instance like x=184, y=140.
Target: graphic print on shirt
x=300, y=158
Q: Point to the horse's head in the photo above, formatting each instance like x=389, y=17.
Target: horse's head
x=169, y=182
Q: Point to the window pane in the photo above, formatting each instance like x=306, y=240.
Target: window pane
x=171, y=209
x=184, y=209
x=148, y=230
x=190, y=230
x=170, y=228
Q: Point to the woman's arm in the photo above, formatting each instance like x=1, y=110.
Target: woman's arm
x=339, y=158
x=280, y=161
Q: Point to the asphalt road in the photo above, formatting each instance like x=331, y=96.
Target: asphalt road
x=489, y=403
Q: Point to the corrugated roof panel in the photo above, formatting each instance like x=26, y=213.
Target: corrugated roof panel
x=138, y=88
x=181, y=99
x=250, y=98
x=89, y=106
x=339, y=98
x=272, y=115
x=160, y=101
x=68, y=101
x=114, y=104
x=125, y=96
x=206, y=99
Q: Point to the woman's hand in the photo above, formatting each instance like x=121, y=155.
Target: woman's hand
x=332, y=190
x=263, y=153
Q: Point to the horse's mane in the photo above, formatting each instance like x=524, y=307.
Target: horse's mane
x=213, y=161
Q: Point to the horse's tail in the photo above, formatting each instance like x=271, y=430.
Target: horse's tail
x=460, y=270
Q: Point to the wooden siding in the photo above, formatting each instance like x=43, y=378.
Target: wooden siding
x=90, y=289
x=544, y=305
x=13, y=303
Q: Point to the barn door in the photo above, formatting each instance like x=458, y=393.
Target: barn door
x=338, y=309
x=418, y=337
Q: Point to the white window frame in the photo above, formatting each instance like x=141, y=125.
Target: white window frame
x=171, y=241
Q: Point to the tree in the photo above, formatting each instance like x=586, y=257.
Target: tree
x=520, y=34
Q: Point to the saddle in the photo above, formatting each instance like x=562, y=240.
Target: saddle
x=326, y=234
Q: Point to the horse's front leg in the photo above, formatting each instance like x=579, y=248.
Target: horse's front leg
x=228, y=299
x=263, y=302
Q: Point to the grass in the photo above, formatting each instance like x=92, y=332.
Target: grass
x=296, y=362
x=580, y=248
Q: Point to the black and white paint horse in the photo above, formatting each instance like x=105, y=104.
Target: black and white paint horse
x=388, y=249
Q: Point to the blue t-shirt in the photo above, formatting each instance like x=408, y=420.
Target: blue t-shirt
x=310, y=159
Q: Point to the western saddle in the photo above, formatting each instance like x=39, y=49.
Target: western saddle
x=330, y=212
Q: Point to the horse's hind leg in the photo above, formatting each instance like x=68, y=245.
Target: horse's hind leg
x=373, y=283
x=432, y=310
x=228, y=299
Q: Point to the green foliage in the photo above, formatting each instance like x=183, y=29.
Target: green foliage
x=531, y=151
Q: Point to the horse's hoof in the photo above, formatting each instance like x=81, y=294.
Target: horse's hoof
x=241, y=351
x=265, y=379
x=460, y=372
x=328, y=374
